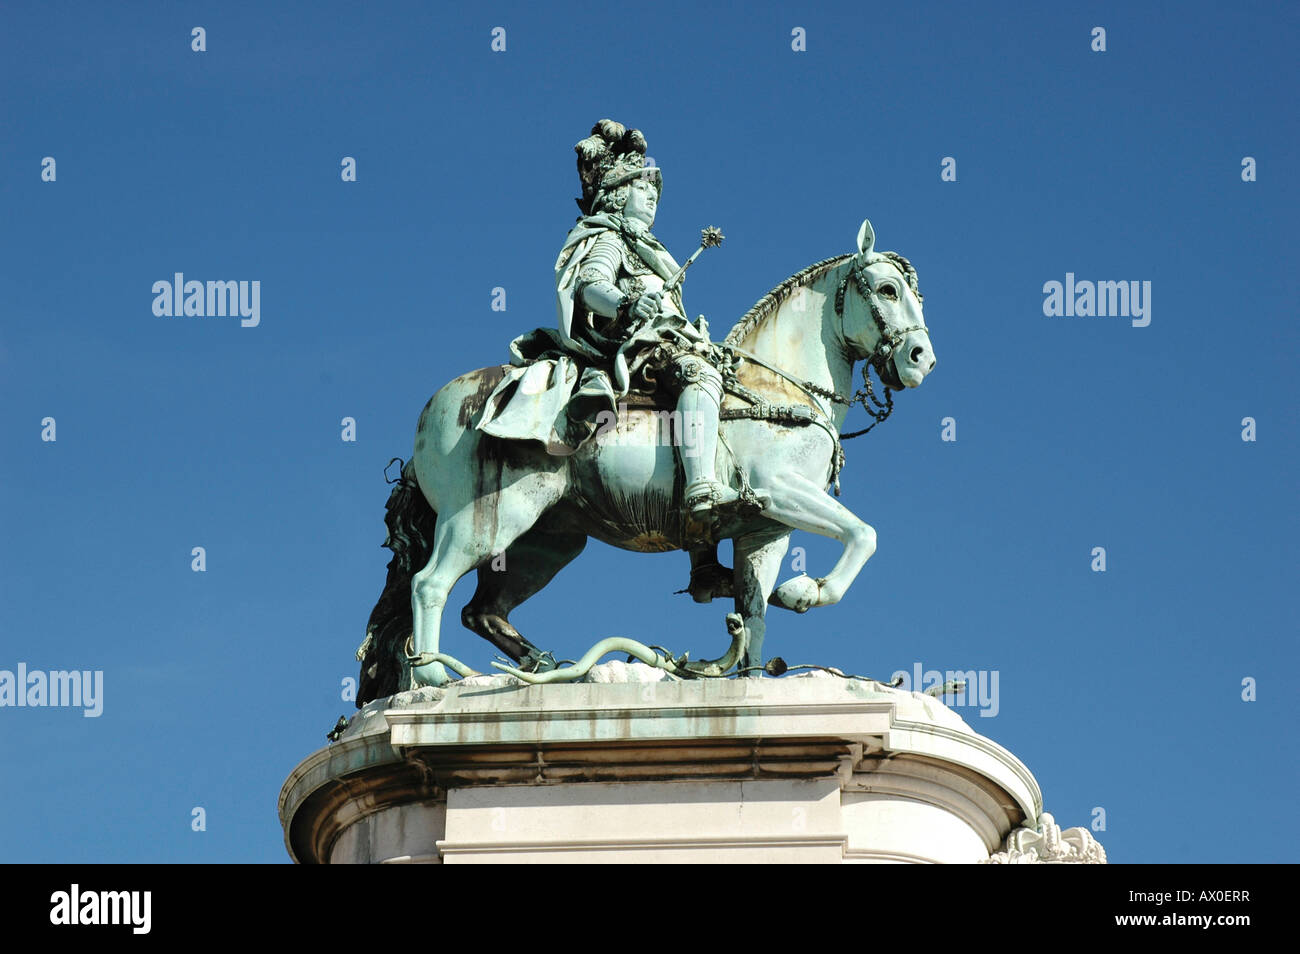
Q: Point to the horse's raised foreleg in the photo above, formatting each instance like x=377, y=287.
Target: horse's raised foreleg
x=801, y=504
x=758, y=561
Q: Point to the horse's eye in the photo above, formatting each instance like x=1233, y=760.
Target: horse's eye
x=889, y=291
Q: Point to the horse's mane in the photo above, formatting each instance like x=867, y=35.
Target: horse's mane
x=770, y=302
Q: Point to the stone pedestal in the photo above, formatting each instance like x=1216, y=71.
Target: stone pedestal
x=636, y=768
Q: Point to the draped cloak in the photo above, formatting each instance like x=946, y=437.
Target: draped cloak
x=559, y=382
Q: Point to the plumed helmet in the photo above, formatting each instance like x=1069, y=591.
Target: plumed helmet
x=611, y=156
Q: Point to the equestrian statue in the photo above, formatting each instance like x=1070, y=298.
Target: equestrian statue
x=627, y=423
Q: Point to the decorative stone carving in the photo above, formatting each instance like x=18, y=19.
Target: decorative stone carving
x=1046, y=844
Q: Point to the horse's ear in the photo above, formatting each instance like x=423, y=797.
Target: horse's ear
x=866, y=237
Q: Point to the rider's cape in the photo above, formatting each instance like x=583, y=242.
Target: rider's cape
x=558, y=384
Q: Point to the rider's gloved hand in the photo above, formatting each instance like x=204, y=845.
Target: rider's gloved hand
x=647, y=306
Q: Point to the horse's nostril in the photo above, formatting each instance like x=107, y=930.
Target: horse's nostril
x=916, y=354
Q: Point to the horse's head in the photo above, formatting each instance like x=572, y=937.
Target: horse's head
x=879, y=302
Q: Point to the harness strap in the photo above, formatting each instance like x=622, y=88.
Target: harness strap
x=793, y=414
x=797, y=415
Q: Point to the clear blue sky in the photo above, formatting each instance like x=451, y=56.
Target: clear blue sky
x=1120, y=690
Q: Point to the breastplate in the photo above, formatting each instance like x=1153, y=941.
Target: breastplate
x=636, y=278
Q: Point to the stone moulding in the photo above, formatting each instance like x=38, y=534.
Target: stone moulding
x=872, y=773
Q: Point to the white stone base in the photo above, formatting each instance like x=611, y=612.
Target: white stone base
x=813, y=769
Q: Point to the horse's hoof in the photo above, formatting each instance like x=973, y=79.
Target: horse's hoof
x=429, y=674
x=537, y=661
x=798, y=594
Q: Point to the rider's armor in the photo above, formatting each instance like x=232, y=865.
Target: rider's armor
x=613, y=262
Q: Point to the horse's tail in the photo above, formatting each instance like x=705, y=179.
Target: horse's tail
x=410, y=521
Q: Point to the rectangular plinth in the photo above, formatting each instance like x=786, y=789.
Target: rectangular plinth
x=760, y=822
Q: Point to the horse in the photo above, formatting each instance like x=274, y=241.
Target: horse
x=467, y=500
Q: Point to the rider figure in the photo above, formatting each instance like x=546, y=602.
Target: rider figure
x=616, y=270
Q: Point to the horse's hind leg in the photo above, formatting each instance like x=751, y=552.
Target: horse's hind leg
x=508, y=579
x=455, y=553
x=464, y=539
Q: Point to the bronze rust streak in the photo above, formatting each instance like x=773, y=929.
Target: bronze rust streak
x=486, y=380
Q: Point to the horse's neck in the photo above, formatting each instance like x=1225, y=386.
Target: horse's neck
x=802, y=338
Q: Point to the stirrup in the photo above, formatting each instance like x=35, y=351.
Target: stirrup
x=705, y=495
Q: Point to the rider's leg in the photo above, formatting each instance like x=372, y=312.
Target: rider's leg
x=698, y=405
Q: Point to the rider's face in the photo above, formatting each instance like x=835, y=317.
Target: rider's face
x=642, y=200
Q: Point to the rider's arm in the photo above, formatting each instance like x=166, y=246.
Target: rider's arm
x=596, y=277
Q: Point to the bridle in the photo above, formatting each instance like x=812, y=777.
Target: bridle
x=889, y=338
